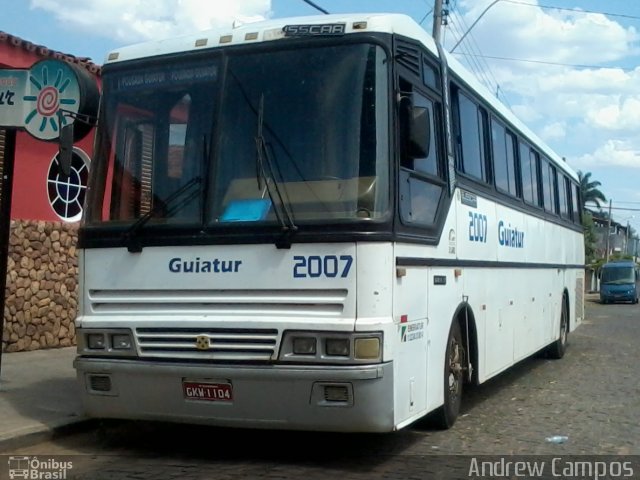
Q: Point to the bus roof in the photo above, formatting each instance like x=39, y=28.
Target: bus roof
x=272, y=30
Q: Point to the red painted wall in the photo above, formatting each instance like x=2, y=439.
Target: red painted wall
x=33, y=157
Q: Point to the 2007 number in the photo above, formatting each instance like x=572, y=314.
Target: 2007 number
x=315, y=266
x=478, y=227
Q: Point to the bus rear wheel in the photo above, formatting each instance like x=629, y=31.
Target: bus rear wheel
x=453, y=379
x=556, y=349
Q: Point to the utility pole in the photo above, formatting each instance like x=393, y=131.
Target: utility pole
x=608, y=232
x=626, y=243
x=437, y=21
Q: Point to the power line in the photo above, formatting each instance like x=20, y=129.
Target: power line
x=473, y=60
x=518, y=2
x=578, y=10
x=426, y=15
x=560, y=64
x=484, y=64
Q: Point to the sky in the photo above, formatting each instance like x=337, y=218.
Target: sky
x=569, y=69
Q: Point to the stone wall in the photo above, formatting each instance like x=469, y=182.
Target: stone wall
x=42, y=286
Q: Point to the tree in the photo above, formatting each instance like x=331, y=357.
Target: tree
x=589, y=190
x=589, y=238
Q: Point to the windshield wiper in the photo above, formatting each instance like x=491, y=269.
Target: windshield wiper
x=171, y=205
x=265, y=173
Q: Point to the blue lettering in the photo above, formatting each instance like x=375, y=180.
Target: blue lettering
x=315, y=266
x=174, y=265
x=227, y=266
x=478, y=225
x=510, y=237
x=178, y=265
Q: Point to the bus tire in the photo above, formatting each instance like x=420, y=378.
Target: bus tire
x=453, y=379
x=556, y=349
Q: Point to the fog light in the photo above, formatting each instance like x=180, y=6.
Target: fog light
x=121, y=341
x=100, y=383
x=304, y=346
x=95, y=341
x=367, y=348
x=336, y=393
x=337, y=347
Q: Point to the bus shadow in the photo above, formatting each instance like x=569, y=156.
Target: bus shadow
x=475, y=395
x=315, y=449
x=229, y=446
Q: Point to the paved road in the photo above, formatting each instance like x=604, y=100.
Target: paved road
x=592, y=396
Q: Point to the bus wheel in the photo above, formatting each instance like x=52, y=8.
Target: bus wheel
x=556, y=349
x=453, y=379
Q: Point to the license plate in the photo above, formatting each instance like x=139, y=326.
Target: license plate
x=211, y=392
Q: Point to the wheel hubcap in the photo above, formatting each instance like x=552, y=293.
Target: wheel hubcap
x=455, y=369
x=563, y=327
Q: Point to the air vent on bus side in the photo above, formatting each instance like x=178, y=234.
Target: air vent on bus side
x=408, y=56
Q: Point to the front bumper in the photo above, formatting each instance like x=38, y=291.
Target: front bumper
x=617, y=297
x=269, y=396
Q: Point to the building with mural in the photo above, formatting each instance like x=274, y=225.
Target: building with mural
x=39, y=207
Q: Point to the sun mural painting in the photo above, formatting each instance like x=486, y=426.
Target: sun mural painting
x=54, y=96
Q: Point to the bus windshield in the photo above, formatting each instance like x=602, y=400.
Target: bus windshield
x=618, y=275
x=244, y=139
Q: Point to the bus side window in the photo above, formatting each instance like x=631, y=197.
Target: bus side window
x=564, y=193
x=505, y=170
x=548, y=186
x=575, y=203
x=471, y=128
x=529, y=166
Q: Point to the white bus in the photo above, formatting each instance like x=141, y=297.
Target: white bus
x=319, y=223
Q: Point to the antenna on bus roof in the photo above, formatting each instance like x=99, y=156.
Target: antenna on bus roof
x=317, y=7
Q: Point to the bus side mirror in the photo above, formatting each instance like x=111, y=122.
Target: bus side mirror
x=419, y=132
x=65, y=149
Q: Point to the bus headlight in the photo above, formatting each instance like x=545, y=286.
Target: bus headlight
x=106, y=341
x=367, y=348
x=331, y=347
x=304, y=346
x=337, y=347
x=95, y=341
x=121, y=341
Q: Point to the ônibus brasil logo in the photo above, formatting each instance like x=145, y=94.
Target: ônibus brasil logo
x=53, y=90
x=38, y=469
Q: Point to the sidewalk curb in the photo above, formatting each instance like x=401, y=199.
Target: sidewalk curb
x=42, y=433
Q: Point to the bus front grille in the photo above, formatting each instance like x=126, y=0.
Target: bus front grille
x=217, y=344
x=287, y=302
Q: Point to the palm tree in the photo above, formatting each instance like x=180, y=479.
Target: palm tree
x=589, y=190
